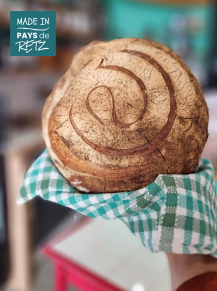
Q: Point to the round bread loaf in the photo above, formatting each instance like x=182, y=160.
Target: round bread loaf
x=125, y=112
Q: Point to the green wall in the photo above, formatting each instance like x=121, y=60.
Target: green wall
x=127, y=18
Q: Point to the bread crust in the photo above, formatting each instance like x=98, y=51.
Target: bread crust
x=125, y=112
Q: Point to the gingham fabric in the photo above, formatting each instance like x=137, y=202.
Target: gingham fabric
x=176, y=213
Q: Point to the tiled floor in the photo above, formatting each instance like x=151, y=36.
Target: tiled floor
x=43, y=279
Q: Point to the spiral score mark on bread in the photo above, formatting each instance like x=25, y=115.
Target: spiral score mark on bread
x=122, y=114
x=155, y=142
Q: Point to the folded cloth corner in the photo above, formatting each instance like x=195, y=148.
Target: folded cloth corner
x=175, y=213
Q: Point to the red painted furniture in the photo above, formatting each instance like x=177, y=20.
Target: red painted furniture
x=103, y=255
x=69, y=272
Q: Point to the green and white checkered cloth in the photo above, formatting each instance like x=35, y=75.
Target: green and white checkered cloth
x=176, y=213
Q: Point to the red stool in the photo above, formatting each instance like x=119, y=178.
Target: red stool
x=69, y=272
x=103, y=255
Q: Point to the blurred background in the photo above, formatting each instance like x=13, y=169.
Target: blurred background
x=189, y=27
